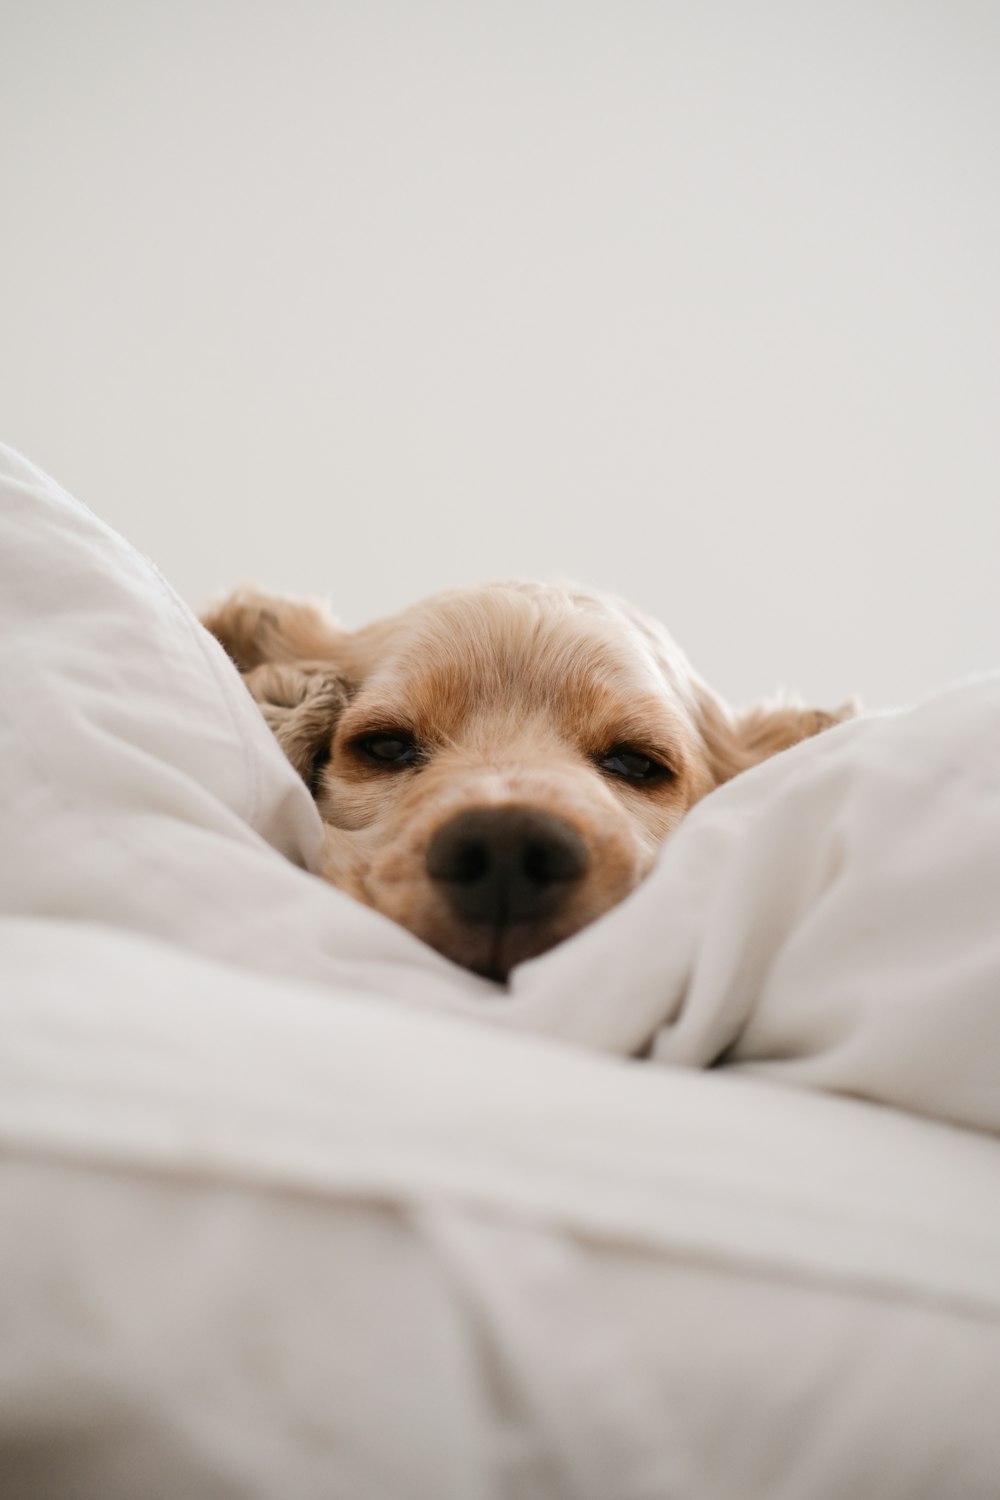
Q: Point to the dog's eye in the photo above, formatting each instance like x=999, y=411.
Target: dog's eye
x=390, y=749
x=632, y=765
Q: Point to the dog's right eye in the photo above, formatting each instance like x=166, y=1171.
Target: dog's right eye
x=631, y=765
x=390, y=750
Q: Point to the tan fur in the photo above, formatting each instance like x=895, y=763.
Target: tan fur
x=513, y=692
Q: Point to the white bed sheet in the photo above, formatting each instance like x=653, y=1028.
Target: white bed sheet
x=280, y=1213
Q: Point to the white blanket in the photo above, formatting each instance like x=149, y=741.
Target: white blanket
x=293, y=1206
x=832, y=918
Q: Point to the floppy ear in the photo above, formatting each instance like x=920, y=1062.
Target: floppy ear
x=287, y=651
x=255, y=627
x=301, y=704
x=735, y=742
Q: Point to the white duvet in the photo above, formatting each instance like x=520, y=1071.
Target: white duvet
x=290, y=1206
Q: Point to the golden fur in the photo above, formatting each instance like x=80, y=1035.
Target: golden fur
x=508, y=698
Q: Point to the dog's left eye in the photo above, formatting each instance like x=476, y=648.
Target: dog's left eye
x=632, y=765
x=390, y=749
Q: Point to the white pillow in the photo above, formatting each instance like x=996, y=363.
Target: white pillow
x=829, y=919
x=142, y=786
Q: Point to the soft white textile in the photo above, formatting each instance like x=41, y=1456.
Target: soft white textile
x=280, y=1215
x=832, y=918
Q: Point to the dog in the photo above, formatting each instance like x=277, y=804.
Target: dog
x=498, y=766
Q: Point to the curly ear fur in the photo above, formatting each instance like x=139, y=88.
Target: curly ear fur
x=735, y=742
x=301, y=704
x=286, y=650
x=255, y=628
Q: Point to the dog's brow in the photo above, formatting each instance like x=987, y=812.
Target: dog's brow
x=362, y=719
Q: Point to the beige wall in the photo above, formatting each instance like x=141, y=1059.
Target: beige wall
x=699, y=302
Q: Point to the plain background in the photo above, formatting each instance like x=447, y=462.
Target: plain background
x=696, y=302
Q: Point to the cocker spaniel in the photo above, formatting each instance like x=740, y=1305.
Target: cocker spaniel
x=496, y=767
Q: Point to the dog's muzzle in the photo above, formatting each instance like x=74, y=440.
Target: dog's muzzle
x=501, y=865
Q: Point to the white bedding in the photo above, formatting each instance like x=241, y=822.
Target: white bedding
x=291, y=1206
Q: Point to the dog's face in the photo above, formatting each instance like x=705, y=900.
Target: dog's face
x=495, y=767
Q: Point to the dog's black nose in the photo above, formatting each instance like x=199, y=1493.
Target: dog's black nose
x=506, y=864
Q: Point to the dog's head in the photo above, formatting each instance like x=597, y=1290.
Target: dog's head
x=496, y=767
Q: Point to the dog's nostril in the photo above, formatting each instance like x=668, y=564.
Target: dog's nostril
x=470, y=861
x=506, y=864
x=556, y=859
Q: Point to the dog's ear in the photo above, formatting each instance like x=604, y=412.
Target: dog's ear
x=289, y=652
x=735, y=742
x=301, y=703
x=255, y=628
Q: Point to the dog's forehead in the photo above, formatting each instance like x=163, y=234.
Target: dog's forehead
x=514, y=648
